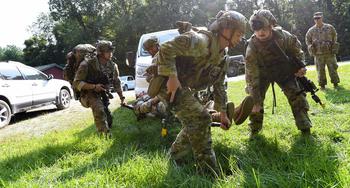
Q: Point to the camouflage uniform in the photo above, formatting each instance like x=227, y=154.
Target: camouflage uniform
x=263, y=66
x=195, y=74
x=89, y=98
x=322, y=44
x=145, y=105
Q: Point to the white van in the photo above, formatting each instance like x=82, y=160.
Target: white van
x=143, y=59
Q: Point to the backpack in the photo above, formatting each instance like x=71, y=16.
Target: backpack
x=87, y=51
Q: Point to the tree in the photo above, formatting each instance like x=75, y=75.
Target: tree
x=11, y=52
x=71, y=22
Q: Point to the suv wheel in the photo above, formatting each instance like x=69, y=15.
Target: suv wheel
x=63, y=99
x=5, y=114
x=125, y=88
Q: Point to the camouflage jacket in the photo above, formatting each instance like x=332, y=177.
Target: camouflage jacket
x=263, y=62
x=90, y=68
x=196, y=59
x=321, y=40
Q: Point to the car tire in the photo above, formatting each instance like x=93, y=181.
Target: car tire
x=64, y=99
x=125, y=88
x=5, y=114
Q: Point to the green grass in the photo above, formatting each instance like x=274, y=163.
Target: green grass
x=136, y=156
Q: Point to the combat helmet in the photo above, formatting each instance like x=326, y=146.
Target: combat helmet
x=261, y=18
x=104, y=46
x=152, y=41
x=229, y=20
x=84, y=49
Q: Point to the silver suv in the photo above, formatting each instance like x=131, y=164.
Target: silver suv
x=23, y=88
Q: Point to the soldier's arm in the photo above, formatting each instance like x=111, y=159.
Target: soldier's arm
x=79, y=82
x=308, y=38
x=333, y=34
x=116, y=82
x=188, y=44
x=294, y=47
x=252, y=74
x=220, y=95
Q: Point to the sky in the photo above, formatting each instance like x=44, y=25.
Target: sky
x=15, y=18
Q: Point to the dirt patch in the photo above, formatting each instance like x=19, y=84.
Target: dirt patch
x=47, y=119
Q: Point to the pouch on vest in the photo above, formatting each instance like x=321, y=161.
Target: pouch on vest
x=155, y=84
x=335, y=47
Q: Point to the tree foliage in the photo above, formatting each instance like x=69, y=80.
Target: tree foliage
x=11, y=53
x=71, y=22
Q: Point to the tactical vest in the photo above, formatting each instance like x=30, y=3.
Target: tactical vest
x=96, y=76
x=272, y=58
x=189, y=77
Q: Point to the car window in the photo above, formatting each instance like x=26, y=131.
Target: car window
x=130, y=79
x=32, y=74
x=162, y=38
x=10, y=73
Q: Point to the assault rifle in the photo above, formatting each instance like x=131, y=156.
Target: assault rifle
x=305, y=84
x=309, y=86
x=105, y=95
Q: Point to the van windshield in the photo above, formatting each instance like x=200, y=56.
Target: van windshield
x=162, y=38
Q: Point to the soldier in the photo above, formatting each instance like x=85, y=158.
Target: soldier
x=144, y=104
x=321, y=40
x=88, y=81
x=267, y=50
x=183, y=78
x=151, y=45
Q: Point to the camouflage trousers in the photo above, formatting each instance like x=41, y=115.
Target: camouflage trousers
x=93, y=100
x=321, y=61
x=195, y=135
x=297, y=102
x=146, y=104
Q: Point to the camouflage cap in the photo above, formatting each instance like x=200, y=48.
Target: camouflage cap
x=318, y=14
x=229, y=20
x=261, y=18
x=152, y=41
x=84, y=49
x=104, y=46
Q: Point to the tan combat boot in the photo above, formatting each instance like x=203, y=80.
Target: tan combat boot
x=215, y=116
x=242, y=111
x=239, y=114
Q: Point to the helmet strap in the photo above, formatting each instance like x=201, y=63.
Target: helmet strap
x=229, y=40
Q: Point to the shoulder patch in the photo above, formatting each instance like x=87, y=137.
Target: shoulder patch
x=183, y=40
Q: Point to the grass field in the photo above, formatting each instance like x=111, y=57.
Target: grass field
x=136, y=155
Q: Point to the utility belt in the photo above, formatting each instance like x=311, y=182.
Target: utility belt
x=325, y=48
